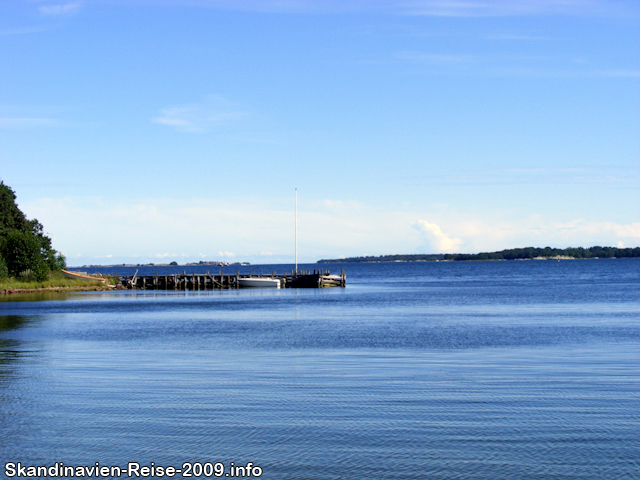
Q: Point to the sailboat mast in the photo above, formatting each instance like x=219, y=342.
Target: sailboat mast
x=296, y=233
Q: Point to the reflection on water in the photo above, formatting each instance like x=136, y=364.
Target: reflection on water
x=33, y=297
x=483, y=370
x=10, y=322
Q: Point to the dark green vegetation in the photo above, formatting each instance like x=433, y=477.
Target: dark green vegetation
x=548, y=252
x=387, y=258
x=510, y=254
x=25, y=251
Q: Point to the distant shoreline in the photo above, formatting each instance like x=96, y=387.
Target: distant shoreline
x=173, y=264
x=527, y=253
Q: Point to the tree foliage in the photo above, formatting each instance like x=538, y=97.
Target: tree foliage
x=24, y=248
x=4, y=271
x=526, y=253
x=11, y=217
x=24, y=255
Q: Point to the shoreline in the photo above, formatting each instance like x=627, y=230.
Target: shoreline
x=57, y=282
x=60, y=289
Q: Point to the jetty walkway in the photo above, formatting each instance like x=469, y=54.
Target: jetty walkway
x=209, y=281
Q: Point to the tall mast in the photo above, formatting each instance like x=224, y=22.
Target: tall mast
x=296, y=233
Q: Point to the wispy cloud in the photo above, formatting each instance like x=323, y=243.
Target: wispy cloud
x=26, y=117
x=501, y=65
x=517, y=37
x=437, y=8
x=493, y=8
x=269, y=6
x=160, y=255
x=25, y=30
x=564, y=71
x=489, y=64
x=62, y=9
x=437, y=58
x=27, y=123
x=615, y=176
x=616, y=73
x=214, y=112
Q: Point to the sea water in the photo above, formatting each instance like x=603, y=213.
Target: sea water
x=438, y=370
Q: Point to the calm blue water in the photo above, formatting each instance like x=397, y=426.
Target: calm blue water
x=469, y=370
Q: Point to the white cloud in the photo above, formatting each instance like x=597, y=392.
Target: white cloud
x=438, y=241
x=55, y=10
x=490, y=234
x=212, y=113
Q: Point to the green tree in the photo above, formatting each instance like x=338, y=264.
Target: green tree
x=11, y=217
x=23, y=244
x=61, y=262
x=4, y=271
x=22, y=252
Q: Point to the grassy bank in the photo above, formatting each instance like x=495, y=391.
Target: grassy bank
x=55, y=281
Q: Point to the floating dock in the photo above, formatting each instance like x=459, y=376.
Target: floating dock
x=209, y=281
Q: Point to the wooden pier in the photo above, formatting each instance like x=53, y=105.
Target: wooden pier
x=209, y=281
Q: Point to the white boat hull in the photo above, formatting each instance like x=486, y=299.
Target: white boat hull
x=259, y=282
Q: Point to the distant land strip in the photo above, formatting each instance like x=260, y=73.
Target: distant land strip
x=386, y=258
x=528, y=253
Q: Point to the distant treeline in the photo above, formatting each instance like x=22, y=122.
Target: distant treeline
x=387, y=258
x=532, y=252
x=510, y=254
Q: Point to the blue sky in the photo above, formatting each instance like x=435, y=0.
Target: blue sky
x=151, y=131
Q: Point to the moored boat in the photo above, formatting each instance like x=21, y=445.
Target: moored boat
x=80, y=276
x=259, y=282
